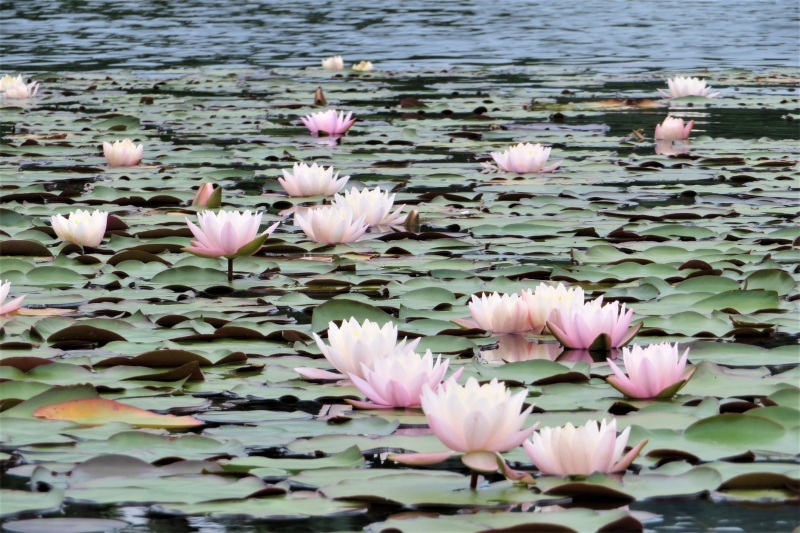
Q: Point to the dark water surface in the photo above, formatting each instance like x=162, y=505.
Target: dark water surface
x=606, y=35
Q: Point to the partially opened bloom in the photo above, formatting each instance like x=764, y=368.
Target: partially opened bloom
x=81, y=227
x=331, y=225
x=208, y=195
x=593, y=325
x=477, y=420
x=657, y=371
x=15, y=87
x=123, y=153
x=354, y=347
x=680, y=86
x=311, y=180
x=374, y=204
x=524, y=158
x=497, y=313
x=6, y=308
x=397, y=379
x=227, y=234
x=571, y=451
x=545, y=299
x=328, y=122
x=364, y=66
x=673, y=129
x=333, y=63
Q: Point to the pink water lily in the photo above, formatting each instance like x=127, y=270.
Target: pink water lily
x=657, y=371
x=208, y=195
x=374, y=204
x=305, y=180
x=6, y=308
x=355, y=346
x=332, y=224
x=123, y=153
x=398, y=379
x=227, y=234
x=507, y=313
x=673, y=129
x=328, y=122
x=593, y=325
x=81, y=227
x=681, y=86
x=15, y=88
x=524, y=159
x=571, y=451
x=545, y=299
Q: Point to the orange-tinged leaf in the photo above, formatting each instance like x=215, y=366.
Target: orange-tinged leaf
x=98, y=411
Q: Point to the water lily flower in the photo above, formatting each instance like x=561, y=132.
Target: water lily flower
x=673, y=129
x=208, y=195
x=680, y=86
x=15, y=87
x=6, y=308
x=397, y=379
x=364, y=66
x=657, y=371
x=374, y=204
x=593, y=325
x=227, y=234
x=311, y=180
x=571, y=451
x=331, y=225
x=333, y=63
x=545, y=299
x=354, y=347
x=328, y=122
x=479, y=421
x=81, y=227
x=123, y=153
x=500, y=314
x=512, y=348
x=524, y=158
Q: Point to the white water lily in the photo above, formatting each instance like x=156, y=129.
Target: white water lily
x=333, y=63
x=545, y=299
x=569, y=451
x=331, y=224
x=364, y=66
x=123, y=153
x=355, y=346
x=14, y=87
x=507, y=313
x=524, y=159
x=81, y=227
x=374, y=204
x=681, y=86
x=314, y=180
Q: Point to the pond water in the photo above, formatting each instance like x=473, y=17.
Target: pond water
x=599, y=34
x=619, y=219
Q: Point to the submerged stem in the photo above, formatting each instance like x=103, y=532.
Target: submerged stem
x=473, y=482
x=230, y=270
